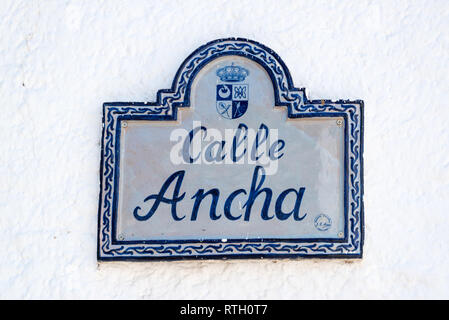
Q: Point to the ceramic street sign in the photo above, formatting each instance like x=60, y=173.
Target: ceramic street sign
x=232, y=161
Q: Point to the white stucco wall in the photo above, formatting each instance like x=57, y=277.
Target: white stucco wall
x=60, y=60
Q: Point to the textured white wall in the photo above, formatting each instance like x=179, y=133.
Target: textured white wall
x=60, y=60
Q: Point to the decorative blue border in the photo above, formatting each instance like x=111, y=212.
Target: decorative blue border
x=166, y=108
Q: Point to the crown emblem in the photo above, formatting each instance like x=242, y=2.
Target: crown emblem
x=232, y=73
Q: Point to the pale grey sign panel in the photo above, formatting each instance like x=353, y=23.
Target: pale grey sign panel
x=232, y=161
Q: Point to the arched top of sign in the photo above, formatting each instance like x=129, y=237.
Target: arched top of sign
x=285, y=94
x=342, y=125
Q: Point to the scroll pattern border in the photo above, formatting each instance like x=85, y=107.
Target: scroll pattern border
x=285, y=95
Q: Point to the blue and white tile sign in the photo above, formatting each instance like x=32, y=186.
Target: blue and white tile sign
x=232, y=161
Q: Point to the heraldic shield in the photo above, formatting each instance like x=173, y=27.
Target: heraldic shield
x=232, y=95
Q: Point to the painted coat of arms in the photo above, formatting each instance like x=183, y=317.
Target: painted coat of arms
x=232, y=94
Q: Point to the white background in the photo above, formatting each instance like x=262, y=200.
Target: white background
x=60, y=60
